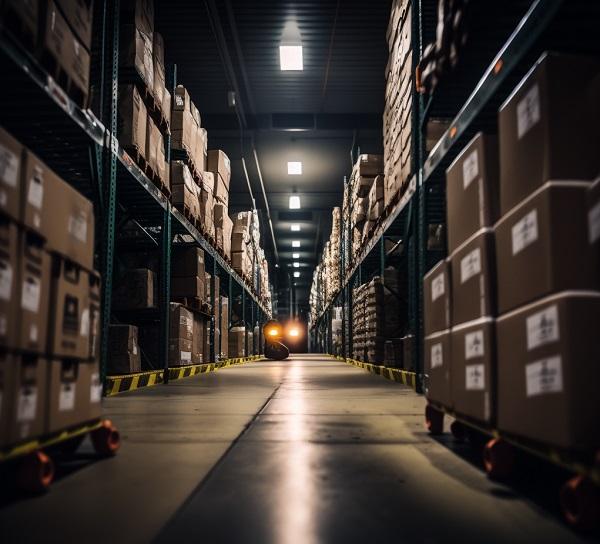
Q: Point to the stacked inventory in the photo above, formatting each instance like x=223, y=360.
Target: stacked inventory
x=334, y=258
x=219, y=165
x=49, y=300
x=397, y=115
x=242, y=244
x=359, y=310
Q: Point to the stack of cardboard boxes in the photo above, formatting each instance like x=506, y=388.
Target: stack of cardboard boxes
x=187, y=134
x=49, y=300
x=237, y=342
x=508, y=316
x=359, y=325
x=124, y=354
x=219, y=165
x=188, y=274
x=242, y=246
x=397, y=115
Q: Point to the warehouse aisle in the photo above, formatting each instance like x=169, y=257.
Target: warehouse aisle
x=307, y=450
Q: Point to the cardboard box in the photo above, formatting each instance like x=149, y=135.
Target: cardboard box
x=21, y=16
x=184, y=190
x=95, y=294
x=7, y=368
x=187, y=261
x=363, y=185
x=158, y=54
x=135, y=53
x=34, y=277
x=78, y=67
x=542, y=247
x=547, y=376
x=79, y=15
x=91, y=385
x=237, y=342
x=11, y=153
x=124, y=356
x=218, y=163
x=224, y=328
x=132, y=119
x=549, y=129
x=25, y=380
x=472, y=190
x=69, y=318
x=473, y=369
x=180, y=352
x=437, y=298
x=135, y=290
x=166, y=104
x=9, y=287
x=474, y=278
x=369, y=165
x=152, y=139
x=226, y=235
x=200, y=331
x=189, y=286
x=181, y=322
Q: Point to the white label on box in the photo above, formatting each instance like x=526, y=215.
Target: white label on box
x=78, y=226
x=84, y=330
x=66, y=397
x=594, y=223
x=179, y=100
x=470, y=265
x=542, y=327
x=35, y=195
x=524, y=232
x=9, y=166
x=474, y=346
x=437, y=287
x=470, y=169
x=6, y=279
x=30, y=297
x=475, y=377
x=544, y=376
x=27, y=404
x=437, y=355
x=186, y=355
x=528, y=111
x=33, y=333
x=95, y=388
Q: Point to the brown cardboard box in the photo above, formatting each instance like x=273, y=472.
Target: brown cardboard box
x=79, y=63
x=369, y=165
x=185, y=191
x=79, y=14
x=473, y=369
x=474, y=278
x=11, y=153
x=7, y=368
x=227, y=228
x=224, y=328
x=546, y=129
x=219, y=214
x=136, y=290
x=166, y=104
x=541, y=246
x=91, y=385
x=34, y=277
x=124, y=355
x=152, y=141
x=187, y=261
x=547, y=376
x=200, y=326
x=437, y=368
x=158, y=54
x=135, y=53
x=437, y=298
x=132, y=120
x=236, y=342
x=21, y=16
x=472, y=189
x=363, y=185
x=181, y=322
x=69, y=319
x=218, y=163
x=35, y=186
x=9, y=290
x=27, y=384
x=189, y=286
x=95, y=293
x=180, y=352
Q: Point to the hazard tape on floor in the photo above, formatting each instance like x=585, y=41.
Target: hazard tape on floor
x=398, y=375
x=129, y=382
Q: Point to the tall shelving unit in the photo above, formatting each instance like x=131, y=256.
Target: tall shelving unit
x=82, y=147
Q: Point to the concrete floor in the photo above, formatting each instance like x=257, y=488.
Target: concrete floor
x=303, y=451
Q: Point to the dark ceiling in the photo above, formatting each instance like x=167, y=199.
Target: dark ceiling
x=337, y=101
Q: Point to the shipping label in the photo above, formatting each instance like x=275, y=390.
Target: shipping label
x=437, y=287
x=474, y=346
x=30, y=296
x=35, y=194
x=475, y=377
x=470, y=168
x=544, y=376
x=524, y=232
x=542, y=327
x=6, y=280
x=84, y=329
x=95, y=388
x=78, y=226
x=27, y=404
x=594, y=223
x=9, y=166
x=470, y=265
x=66, y=397
x=528, y=111
x=437, y=355
x=185, y=355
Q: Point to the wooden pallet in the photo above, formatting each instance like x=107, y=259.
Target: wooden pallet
x=63, y=80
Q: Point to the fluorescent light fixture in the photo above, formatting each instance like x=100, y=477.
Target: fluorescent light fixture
x=294, y=168
x=296, y=264
x=296, y=274
x=295, y=228
x=296, y=243
x=290, y=57
x=295, y=255
x=294, y=202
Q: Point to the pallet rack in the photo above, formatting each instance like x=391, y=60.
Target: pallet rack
x=84, y=150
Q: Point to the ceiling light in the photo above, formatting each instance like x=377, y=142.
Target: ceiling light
x=295, y=255
x=294, y=202
x=290, y=57
x=296, y=274
x=296, y=243
x=295, y=228
x=296, y=264
x=294, y=168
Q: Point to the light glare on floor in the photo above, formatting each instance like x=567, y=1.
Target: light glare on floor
x=294, y=202
x=294, y=168
x=290, y=57
x=296, y=243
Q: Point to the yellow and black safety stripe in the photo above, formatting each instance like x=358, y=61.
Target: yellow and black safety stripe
x=129, y=382
x=398, y=375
